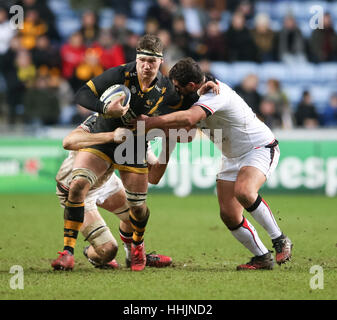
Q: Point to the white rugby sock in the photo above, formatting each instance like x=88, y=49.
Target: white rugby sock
x=263, y=215
x=126, y=237
x=247, y=235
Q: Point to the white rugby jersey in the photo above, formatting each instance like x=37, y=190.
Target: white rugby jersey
x=240, y=129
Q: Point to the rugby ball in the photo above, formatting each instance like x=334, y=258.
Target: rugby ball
x=114, y=92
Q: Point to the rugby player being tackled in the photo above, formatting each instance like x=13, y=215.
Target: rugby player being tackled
x=151, y=94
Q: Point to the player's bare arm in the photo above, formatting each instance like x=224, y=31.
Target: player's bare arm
x=157, y=166
x=79, y=138
x=176, y=120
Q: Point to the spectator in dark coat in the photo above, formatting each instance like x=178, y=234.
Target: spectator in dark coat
x=89, y=28
x=41, y=104
x=269, y=114
x=306, y=115
x=291, y=45
x=323, y=42
x=44, y=54
x=15, y=87
x=264, y=38
x=241, y=46
x=247, y=90
x=214, y=41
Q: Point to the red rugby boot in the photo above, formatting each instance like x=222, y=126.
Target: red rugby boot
x=157, y=260
x=264, y=262
x=138, y=257
x=65, y=261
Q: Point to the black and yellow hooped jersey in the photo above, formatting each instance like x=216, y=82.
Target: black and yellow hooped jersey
x=160, y=98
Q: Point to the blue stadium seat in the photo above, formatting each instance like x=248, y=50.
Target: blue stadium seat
x=294, y=94
x=67, y=26
x=305, y=28
x=139, y=8
x=272, y=70
x=225, y=20
x=321, y=94
x=240, y=70
x=59, y=6
x=302, y=73
x=327, y=72
x=135, y=25
x=106, y=18
x=221, y=71
x=281, y=9
x=263, y=7
x=333, y=10
x=276, y=25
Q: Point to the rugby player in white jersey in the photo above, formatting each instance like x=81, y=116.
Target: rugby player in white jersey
x=250, y=154
x=108, y=193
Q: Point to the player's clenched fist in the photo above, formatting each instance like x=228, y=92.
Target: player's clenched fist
x=120, y=134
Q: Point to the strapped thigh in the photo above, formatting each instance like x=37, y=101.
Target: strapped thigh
x=97, y=233
x=135, y=198
x=84, y=173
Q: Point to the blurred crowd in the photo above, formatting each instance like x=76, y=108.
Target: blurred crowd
x=41, y=71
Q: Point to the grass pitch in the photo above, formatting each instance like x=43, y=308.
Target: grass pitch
x=189, y=229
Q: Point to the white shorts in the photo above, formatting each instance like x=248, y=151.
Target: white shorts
x=263, y=158
x=96, y=196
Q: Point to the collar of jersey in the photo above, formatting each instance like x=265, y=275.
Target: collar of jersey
x=148, y=89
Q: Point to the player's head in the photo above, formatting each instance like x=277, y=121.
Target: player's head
x=149, y=56
x=186, y=76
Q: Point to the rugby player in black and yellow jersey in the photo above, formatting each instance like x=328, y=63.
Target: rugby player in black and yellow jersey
x=148, y=88
x=151, y=94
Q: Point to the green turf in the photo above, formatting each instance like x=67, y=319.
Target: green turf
x=189, y=229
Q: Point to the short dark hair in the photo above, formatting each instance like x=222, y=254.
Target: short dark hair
x=186, y=70
x=151, y=43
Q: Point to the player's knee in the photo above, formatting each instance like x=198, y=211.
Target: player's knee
x=243, y=195
x=107, y=251
x=226, y=219
x=81, y=181
x=140, y=212
x=78, y=189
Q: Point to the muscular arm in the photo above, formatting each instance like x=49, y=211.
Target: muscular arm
x=88, y=99
x=79, y=138
x=157, y=166
x=88, y=95
x=156, y=172
x=176, y=120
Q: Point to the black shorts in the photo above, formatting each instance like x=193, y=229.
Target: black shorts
x=124, y=156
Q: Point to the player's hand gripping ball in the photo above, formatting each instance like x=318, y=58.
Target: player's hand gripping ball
x=116, y=100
